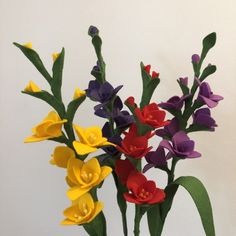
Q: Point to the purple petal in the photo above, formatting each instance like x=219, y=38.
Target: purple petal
x=186, y=146
x=194, y=154
x=147, y=167
x=210, y=103
x=166, y=144
x=179, y=137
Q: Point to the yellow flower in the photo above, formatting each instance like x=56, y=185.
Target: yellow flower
x=61, y=156
x=28, y=45
x=78, y=93
x=90, y=139
x=55, y=56
x=82, y=211
x=32, y=87
x=50, y=127
x=83, y=176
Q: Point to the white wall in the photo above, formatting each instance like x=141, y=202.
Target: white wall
x=162, y=33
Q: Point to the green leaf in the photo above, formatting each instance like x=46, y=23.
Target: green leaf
x=50, y=99
x=57, y=70
x=200, y=198
x=155, y=222
x=36, y=61
x=208, y=43
x=72, y=108
x=211, y=69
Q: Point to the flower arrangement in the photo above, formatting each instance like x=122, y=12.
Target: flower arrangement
x=124, y=141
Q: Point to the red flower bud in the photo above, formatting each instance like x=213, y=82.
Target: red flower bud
x=155, y=74
x=130, y=101
x=147, y=68
x=151, y=115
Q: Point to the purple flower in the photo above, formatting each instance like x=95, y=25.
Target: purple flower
x=122, y=118
x=184, y=81
x=102, y=93
x=174, y=102
x=116, y=139
x=195, y=58
x=154, y=159
x=203, y=117
x=207, y=97
x=169, y=130
x=180, y=146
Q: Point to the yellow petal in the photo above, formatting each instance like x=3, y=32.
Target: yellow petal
x=68, y=222
x=52, y=116
x=41, y=129
x=34, y=138
x=78, y=93
x=92, y=166
x=83, y=149
x=87, y=200
x=105, y=171
x=28, y=45
x=108, y=144
x=55, y=56
x=76, y=192
x=54, y=129
x=98, y=206
x=80, y=132
x=69, y=182
x=61, y=156
x=32, y=87
x=70, y=169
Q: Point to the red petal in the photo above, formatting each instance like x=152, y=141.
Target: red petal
x=123, y=168
x=130, y=101
x=155, y=74
x=150, y=186
x=139, y=115
x=131, y=198
x=135, y=180
x=159, y=196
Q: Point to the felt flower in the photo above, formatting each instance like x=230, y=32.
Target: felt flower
x=143, y=191
x=147, y=68
x=155, y=158
x=175, y=103
x=207, y=97
x=151, y=115
x=78, y=93
x=203, y=117
x=122, y=118
x=90, y=139
x=115, y=139
x=82, y=211
x=83, y=176
x=61, y=156
x=169, y=130
x=180, y=146
x=50, y=127
x=102, y=93
x=32, y=87
x=195, y=58
x=133, y=145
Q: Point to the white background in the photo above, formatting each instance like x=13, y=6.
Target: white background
x=162, y=33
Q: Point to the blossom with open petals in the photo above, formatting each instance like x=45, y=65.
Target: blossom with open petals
x=32, y=87
x=90, y=139
x=50, y=127
x=83, y=176
x=82, y=211
x=61, y=156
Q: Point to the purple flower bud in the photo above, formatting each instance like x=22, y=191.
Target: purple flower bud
x=184, y=81
x=93, y=30
x=195, y=58
x=174, y=102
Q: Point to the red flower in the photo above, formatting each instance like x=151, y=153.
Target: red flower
x=151, y=115
x=142, y=191
x=130, y=101
x=147, y=68
x=133, y=145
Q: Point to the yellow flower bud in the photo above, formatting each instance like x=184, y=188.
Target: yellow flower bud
x=82, y=211
x=78, y=93
x=83, y=176
x=32, y=87
x=55, y=56
x=90, y=139
x=28, y=45
x=50, y=127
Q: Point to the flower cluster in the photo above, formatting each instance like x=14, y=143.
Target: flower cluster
x=124, y=138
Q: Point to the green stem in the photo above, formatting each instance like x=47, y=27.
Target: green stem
x=137, y=220
x=171, y=174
